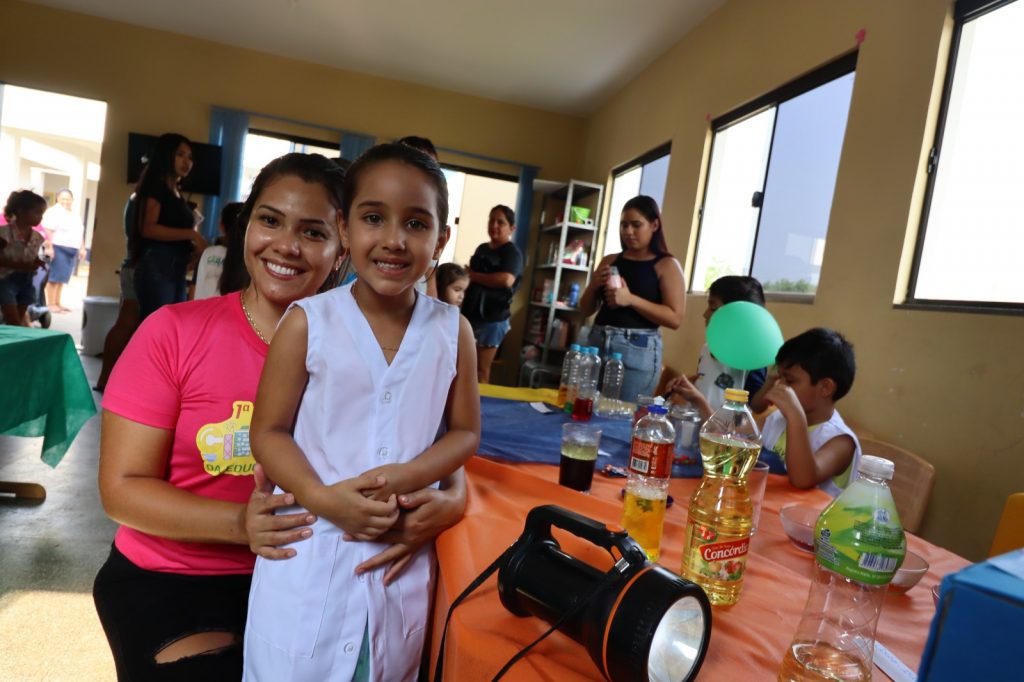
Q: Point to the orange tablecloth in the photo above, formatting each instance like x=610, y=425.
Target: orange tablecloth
x=748, y=639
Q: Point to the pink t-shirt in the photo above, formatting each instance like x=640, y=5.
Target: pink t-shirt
x=193, y=368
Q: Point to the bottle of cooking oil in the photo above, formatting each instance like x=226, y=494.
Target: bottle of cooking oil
x=718, y=523
x=859, y=543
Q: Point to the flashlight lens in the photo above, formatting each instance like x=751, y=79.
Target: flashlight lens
x=677, y=642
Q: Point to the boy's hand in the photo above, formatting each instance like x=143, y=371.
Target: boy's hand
x=784, y=398
x=684, y=388
x=348, y=505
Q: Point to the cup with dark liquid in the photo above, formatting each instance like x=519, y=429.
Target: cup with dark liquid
x=579, y=455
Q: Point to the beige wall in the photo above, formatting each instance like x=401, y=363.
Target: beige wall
x=945, y=385
x=155, y=82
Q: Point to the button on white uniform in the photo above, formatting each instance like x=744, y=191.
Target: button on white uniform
x=350, y=647
x=386, y=397
x=383, y=452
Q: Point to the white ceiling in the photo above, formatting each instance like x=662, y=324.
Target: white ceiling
x=558, y=55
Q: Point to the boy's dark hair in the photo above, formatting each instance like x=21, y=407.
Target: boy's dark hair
x=648, y=208
x=21, y=200
x=311, y=168
x=448, y=273
x=732, y=288
x=509, y=214
x=401, y=153
x=422, y=143
x=823, y=354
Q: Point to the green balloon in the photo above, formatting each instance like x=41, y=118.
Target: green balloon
x=744, y=335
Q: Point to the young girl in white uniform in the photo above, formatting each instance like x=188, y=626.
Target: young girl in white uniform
x=357, y=386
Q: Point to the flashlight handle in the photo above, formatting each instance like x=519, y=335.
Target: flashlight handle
x=540, y=520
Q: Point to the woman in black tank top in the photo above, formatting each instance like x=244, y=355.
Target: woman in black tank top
x=648, y=294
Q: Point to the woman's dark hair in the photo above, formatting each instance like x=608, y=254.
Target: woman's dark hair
x=234, y=276
x=732, y=288
x=448, y=273
x=21, y=200
x=648, y=208
x=311, y=168
x=422, y=143
x=153, y=182
x=402, y=154
x=510, y=215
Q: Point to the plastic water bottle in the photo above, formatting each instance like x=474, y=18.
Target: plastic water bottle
x=569, y=369
x=650, y=468
x=687, y=421
x=859, y=543
x=719, y=518
x=614, y=372
x=586, y=394
x=574, y=295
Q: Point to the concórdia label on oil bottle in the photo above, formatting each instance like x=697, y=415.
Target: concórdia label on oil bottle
x=860, y=537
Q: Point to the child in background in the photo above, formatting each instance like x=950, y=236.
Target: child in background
x=19, y=254
x=706, y=390
x=452, y=282
x=357, y=384
x=212, y=261
x=813, y=371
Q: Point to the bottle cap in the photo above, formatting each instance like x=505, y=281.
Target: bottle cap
x=656, y=409
x=876, y=467
x=574, y=347
x=616, y=356
x=659, y=401
x=736, y=395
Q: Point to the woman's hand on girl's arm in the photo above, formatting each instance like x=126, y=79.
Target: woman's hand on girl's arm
x=668, y=313
x=134, y=492
x=428, y=512
x=269, y=533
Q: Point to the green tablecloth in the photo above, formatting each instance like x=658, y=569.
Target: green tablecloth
x=45, y=392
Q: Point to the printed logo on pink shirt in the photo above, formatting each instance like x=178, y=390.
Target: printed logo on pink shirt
x=224, y=445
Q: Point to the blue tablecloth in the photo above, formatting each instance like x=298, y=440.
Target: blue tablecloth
x=514, y=431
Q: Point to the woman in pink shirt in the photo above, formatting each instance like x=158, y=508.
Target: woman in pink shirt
x=175, y=466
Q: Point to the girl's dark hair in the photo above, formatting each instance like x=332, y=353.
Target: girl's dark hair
x=153, y=182
x=21, y=200
x=234, y=276
x=448, y=273
x=510, y=215
x=648, y=208
x=402, y=154
x=311, y=168
x=732, y=288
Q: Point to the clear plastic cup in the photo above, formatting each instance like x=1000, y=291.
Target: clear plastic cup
x=757, y=480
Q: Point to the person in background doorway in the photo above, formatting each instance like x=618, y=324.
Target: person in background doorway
x=452, y=282
x=648, y=294
x=65, y=244
x=212, y=261
x=494, y=272
x=19, y=254
x=165, y=227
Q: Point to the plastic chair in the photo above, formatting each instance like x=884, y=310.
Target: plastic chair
x=912, y=481
x=1010, y=531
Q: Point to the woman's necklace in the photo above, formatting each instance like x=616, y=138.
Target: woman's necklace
x=251, y=322
x=382, y=346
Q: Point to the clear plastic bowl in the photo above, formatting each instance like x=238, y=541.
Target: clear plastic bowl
x=909, y=574
x=798, y=521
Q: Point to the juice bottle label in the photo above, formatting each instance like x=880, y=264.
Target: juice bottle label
x=651, y=459
x=720, y=561
x=861, y=537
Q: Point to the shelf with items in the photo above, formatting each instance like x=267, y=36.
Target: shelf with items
x=565, y=248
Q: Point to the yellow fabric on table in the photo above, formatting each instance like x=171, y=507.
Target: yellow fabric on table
x=527, y=395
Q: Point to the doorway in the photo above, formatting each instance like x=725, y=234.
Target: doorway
x=50, y=142
x=471, y=196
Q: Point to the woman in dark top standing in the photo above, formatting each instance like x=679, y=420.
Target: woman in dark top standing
x=494, y=272
x=648, y=295
x=165, y=227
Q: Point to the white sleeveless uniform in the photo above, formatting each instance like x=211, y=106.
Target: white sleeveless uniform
x=773, y=436
x=307, y=614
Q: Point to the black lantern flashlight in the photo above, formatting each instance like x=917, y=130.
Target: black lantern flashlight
x=638, y=621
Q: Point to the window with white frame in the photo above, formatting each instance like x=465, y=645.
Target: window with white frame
x=972, y=234
x=262, y=147
x=772, y=173
x=644, y=175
